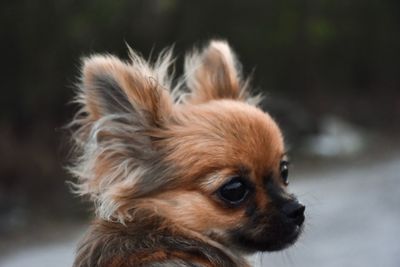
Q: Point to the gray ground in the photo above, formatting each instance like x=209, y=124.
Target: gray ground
x=353, y=219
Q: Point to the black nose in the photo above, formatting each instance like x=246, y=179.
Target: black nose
x=294, y=211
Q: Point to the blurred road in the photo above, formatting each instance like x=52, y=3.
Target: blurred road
x=353, y=220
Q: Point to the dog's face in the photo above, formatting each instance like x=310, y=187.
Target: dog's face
x=213, y=163
x=231, y=161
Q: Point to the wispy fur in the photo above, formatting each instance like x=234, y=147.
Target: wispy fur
x=153, y=159
x=123, y=104
x=216, y=73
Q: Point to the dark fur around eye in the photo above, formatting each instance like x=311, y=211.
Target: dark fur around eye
x=235, y=191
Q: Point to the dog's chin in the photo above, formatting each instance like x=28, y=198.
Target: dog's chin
x=270, y=240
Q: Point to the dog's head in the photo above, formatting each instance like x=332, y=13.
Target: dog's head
x=203, y=155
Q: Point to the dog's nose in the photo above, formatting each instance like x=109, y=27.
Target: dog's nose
x=294, y=211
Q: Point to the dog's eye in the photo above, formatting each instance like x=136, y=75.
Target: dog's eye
x=234, y=192
x=284, y=169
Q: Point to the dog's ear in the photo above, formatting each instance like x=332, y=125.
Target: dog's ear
x=124, y=108
x=214, y=73
x=113, y=87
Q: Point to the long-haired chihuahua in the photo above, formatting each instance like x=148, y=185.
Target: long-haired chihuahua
x=188, y=175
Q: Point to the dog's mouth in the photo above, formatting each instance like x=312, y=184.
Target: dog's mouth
x=269, y=241
x=283, y=241
x=274, y=234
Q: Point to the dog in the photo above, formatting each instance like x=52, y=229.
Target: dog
x=190, y=174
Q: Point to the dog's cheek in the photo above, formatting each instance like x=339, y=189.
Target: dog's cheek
x=200, y=213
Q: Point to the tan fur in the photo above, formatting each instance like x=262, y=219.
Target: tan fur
x=195, y=211
x=215, y=74
x=139, y=85
x=223, y=133
x=149, y=154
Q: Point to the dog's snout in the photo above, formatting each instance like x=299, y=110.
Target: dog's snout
x=294, y=211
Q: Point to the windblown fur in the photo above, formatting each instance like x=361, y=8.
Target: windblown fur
x=152, y=157
x=115, y=127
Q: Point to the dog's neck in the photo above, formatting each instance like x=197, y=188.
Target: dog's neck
x=147, y=239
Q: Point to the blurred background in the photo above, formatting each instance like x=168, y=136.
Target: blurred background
x=330, y=73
